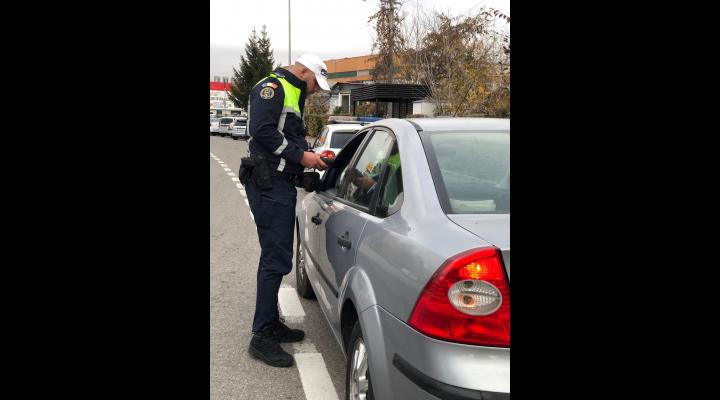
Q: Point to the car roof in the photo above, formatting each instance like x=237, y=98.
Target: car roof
x=460, y=124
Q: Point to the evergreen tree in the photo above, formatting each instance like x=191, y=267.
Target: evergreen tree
x=389, y=40
x=256, y=64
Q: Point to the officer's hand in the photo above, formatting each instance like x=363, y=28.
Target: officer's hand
x=312, y=160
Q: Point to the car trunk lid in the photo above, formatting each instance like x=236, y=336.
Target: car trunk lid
x=493, y=228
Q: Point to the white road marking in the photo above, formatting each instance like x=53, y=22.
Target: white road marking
x=236, y=179
x=242, y=192
x=314, y=377
x=290, y=303
x=227, y=169
x=304, y=348
x=296, y=321
x=246, y=203
x=231, y=174
x=252, y=216
x=239, y=185
x=224, y=165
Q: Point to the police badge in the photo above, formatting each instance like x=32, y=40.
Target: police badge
x=267, y=93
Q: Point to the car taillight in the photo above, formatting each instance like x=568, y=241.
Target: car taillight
x=466, y=301
x=327, y=154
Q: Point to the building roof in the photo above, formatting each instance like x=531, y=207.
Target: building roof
x=389, y=92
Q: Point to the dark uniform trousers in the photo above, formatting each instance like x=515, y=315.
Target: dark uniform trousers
x=274, y=213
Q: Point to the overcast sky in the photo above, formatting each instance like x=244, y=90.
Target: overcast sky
x=328, y=28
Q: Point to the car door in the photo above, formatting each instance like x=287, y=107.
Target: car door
x=317, y=207
x=345, y=211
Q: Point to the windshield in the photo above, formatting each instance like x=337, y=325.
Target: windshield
x=340, y=138
x=226, y=120
x=471, y=171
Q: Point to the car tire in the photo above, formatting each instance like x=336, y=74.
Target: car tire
x=302, y=283
x=234, y=137
x=357, y=368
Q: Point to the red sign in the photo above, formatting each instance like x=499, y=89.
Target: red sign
x=219, y=86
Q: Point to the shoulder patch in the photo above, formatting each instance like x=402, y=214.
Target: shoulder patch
x=270, y=84
x=267, y=92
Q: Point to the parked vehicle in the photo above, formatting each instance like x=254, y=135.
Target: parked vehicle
x=332, y=138
x=406, y=244
x=214, y=126
x=225, y=125
x=239, y=128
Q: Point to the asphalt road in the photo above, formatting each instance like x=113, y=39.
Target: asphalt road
x=234, y=252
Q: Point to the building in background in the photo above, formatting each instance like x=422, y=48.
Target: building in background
x=220, y=103
x=345, y=74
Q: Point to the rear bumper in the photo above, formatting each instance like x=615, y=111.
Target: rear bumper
x=443, y=390
x=410, y=365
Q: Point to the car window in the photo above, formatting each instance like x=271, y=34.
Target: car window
x=340, y=138
x=473, y=171
x=358, y=181
x=391, y=190
x=226, y=120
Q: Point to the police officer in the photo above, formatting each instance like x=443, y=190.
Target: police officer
x=277, y=138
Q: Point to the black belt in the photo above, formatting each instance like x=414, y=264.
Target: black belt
x=283, y=175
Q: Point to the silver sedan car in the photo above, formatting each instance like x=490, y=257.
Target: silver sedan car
x=406, y=245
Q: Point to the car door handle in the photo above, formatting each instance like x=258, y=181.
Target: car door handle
x=343, y=242
x=316, y=220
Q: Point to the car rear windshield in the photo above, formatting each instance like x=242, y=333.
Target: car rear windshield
x=340, y=138
x=240, y=123
x=226, y=120
x=471, y=170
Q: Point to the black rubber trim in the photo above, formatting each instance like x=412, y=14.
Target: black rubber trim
x=443, y=390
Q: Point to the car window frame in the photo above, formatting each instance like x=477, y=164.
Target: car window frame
x=371, y=209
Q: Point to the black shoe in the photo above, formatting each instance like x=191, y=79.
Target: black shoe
x=266, y=348
x=283, y=334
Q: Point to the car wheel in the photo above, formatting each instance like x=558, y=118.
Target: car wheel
x=302, y=284
x=234, y=137
x=357, y=372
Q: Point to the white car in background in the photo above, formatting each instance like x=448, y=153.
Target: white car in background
x=239, y=129
x=226, y=125
x=214, y=126
x=332, y=138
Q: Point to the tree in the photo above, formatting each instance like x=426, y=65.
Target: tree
x=388, y=41
x=315, y=112
x=464, y=61
x=256, y=64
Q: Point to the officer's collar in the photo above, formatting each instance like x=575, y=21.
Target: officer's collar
x=294, y=80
